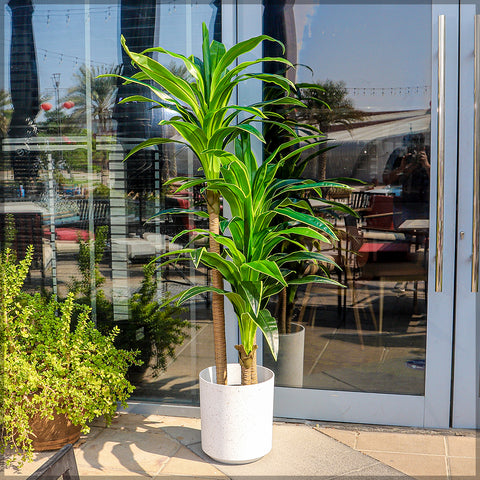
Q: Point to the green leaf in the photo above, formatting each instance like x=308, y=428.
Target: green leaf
x=194, y=291
x=227, y=269
x=314, y=279
x=252, y=293
x=176, y=211
x=267, y=267
x=150, y=143
x=304, y=256
x=268, y=326
x=232, y=249
x=239, y=49
x=308, y=220
x=281, y=101
x=203, y=231
x=190, y=184
x=175, y=85
x=192, y=68
x=137, y=98
x=237, y=301
x=282, y=82
x=303, y=232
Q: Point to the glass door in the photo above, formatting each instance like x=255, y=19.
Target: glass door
x=379, y=350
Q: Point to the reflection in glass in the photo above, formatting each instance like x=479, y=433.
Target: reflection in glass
x=371, y=335
x=69, y=191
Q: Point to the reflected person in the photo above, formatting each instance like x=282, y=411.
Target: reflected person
x=412, y=172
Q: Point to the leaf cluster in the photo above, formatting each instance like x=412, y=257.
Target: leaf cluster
x=250, y=261
x=204, y=115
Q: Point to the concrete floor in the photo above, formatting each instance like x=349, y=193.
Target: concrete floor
x=140, y=446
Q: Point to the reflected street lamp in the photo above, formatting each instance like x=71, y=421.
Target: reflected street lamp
x=56, y=86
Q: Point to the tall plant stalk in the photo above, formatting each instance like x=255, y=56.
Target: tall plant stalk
x=207, y=122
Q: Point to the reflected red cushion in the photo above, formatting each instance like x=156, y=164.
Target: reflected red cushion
x=384, y=247
x=69, y=234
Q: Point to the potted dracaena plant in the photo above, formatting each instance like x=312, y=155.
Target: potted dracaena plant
x=237, y=420
x=207, y=122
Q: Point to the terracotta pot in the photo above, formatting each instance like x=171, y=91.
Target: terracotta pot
x=53, y=434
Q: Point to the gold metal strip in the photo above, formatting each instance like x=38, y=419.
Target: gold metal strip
x=441, y=155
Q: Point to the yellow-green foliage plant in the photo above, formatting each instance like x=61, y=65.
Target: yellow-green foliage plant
x=50, y=366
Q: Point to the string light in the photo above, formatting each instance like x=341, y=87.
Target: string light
x=393, y=91
x=63, y=56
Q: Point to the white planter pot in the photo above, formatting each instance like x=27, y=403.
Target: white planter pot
x=288, y=368
x=237, y=421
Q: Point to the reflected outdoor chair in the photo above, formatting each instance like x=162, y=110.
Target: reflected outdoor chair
x=379, y=215
x=365, y=259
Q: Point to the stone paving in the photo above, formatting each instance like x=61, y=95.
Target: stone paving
x=157, y=446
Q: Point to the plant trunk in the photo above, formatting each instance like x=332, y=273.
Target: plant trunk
x=322, y=166
x=218, y=312
x=248, y=364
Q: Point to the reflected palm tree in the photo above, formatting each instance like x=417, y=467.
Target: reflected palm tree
x=102, y=91
x=328, y=105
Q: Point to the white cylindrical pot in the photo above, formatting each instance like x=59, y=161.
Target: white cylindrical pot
x=237, y=420
x=288, y=368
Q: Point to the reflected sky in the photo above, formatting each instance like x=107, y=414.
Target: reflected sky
x=368, y=46
x=385, y=49
x=60, y=36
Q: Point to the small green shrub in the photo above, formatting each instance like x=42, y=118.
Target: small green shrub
x=154, y=329
x=50, y=366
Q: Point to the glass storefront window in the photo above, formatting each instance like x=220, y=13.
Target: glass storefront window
x=66, y=188
x=370, y=336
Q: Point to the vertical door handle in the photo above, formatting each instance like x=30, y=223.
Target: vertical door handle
x=441, y=155
x=476, y=159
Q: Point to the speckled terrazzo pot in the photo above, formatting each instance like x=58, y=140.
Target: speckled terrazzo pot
x=237, y=421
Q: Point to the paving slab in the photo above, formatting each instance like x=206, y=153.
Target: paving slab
x=126, y=452
x=299, y=451
x=188, y=464
x=458, y=446
x=401, y=443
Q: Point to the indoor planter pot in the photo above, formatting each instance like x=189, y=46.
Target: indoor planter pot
x=237, y=420
x=288, y=368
